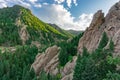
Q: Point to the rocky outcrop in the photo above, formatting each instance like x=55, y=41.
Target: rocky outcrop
x=93, y=33
x=47, y=61
x=7, y=49
x=110, y=24
x=36, y=43
x=67, y=71
x=24, y=34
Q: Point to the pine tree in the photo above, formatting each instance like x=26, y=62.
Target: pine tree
x=104, y=41
x=111, y=45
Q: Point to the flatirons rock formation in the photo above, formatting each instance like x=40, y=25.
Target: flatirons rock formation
x=49, y=62
x=109, y=24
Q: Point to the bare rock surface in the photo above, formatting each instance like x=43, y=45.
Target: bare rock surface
x=93, y=33
x=49, y=62
x=110, y=24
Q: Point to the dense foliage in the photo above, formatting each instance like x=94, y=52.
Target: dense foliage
x=97, y=65
x=16, y=66
x=68, y=50
x=9, y=35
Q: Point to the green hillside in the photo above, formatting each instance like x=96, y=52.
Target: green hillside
x=14, y=19
x=62, y=30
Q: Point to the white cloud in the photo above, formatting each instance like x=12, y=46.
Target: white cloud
x=57, y=14
x=38, y=5
x=59, y=1
x=45, y=3
x=84, y=20
x=75, y=2
x=33, y=1
x=21, y=2
x=2, y=4
x=69, y=3
x=5, y=3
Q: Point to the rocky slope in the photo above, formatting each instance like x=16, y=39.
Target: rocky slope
x=109, y=24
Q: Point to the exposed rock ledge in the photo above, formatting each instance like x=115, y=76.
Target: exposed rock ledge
x=48, y=61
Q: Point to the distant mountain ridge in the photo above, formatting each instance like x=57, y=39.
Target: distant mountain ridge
x=67, y=32
x=61, y=30
x=74, y=32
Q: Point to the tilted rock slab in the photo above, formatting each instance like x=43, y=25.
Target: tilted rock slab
x=109, y=24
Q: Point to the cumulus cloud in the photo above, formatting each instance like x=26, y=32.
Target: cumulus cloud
x=75, y=2
x=69, y=2
x=33, y=1
x=59, y=1
x=45, y=3
x=62, y=17
x=38, y=5
x=2, y=4
x=5, y=3
x=84, y=21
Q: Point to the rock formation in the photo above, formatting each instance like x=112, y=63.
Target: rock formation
x=110, y=24
x=48, y=61
x=93, y=33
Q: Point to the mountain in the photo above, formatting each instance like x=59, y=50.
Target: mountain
x=62, y=30
x=74, y=32
x=67, y=32
x=19, y=26
x=100, y=24
x=94, y=60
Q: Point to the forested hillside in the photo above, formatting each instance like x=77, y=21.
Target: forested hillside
x=19, y=26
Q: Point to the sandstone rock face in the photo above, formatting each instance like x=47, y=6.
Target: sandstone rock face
x=67, y=72
x=24, y=34
x=47, y=61
x=110, y=24
x=93, y=33
x=36, y=43
x=23, y=31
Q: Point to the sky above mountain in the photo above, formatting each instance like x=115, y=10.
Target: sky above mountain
x=68, y=14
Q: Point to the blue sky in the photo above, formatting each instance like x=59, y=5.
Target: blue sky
x=68, y=14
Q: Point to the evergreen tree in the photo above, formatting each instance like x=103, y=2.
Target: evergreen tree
x=94, y=66
x=104, y=41
x=111, y=45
